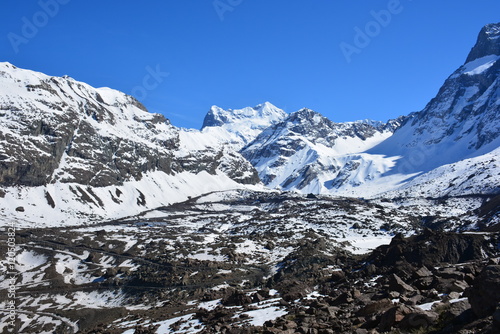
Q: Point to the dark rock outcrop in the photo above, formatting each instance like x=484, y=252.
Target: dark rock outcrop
x=431, y=248
x=486, y=42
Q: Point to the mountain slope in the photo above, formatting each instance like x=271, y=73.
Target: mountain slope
x=63, y=141
x=462, y=121
x=71, y=152
x=473, y=176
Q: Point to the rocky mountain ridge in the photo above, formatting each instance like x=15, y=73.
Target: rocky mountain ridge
x=462, y=121
x=306, y=150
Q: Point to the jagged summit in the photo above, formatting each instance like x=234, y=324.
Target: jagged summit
x=306, y=115
x=237, y=127
x=488, y=42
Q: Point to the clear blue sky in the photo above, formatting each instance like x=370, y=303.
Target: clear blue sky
x=246, y=52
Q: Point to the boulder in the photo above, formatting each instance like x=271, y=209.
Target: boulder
x=423, y=272
x=377, y=307
x=236, y=298
x=397, y=284
x=484, y=295
x=407, y=318
x=418, y=319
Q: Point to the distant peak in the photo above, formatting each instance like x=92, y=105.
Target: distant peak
x=217, y=116
x=488, y=42
x=264, y=105
x=305, y=113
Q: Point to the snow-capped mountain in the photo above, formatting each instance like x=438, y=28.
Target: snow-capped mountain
x=68, y=148
x=462, y=121
x=233, y=128
x=256, y=118
x=189, y=240
x=309, y=153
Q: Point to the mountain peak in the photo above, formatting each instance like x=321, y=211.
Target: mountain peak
x=306, y=114
x=488, y=42
x=266, y=111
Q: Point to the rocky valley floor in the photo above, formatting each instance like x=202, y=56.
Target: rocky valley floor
x=251, y=262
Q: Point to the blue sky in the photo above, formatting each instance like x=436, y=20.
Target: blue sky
x=179, y=57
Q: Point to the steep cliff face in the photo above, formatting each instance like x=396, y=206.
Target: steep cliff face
x=58, y=129
x=487, y=43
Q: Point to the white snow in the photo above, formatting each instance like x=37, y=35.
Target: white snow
x=28, y=260
x=428, y=306
x=159, y=189
x=129, y=331
x=259, y=317
x=480, y=65
x=187, y=326
x=210, y=305
x=363, y=245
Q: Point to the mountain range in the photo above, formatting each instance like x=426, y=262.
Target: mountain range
x=262, y=221
x=70, y=152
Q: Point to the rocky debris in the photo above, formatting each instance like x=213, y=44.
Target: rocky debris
x=407, y=318
x=489, y=215
x=222, y=274
x=236, y=298
x=398, y=285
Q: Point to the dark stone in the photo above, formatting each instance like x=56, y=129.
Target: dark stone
x=432, y=248
x=423, y=272
x=418, y=319
x=397, y=284
x=236, y=298
x=377, y=307
x=484, y=295
x=392, y=317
